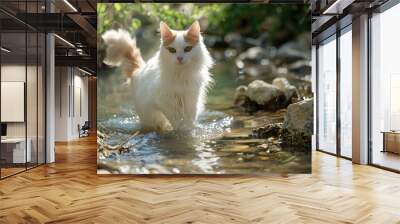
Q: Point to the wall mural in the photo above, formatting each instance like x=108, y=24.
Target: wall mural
x=204, y=88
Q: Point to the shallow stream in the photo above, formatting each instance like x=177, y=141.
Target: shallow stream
x=219, y=145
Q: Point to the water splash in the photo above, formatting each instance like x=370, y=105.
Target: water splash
x=215, y=146
x=153, y=148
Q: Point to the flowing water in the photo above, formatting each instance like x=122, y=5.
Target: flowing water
x=219, y=145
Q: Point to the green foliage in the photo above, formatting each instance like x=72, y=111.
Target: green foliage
x=282, y=22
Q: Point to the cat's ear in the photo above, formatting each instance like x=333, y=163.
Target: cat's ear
x=193, y=33
x=167, y=35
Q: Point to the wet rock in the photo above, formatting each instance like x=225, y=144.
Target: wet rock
x=259, y=95
x=290, y=52
x=263, y=38
x=274, y=149
x=282, y=71
x=289, y=90
x=244, y=103
x=270, y=130
x=262, y=92
x=262, y=153
x=252, y=41
x=253, y=55
x=301, y=67
x=234, y=40
x=215, y=42
x=253, y=71
x=262, y=146
x=255, y=62
x=230, y=53
x=305, y=90
x=241, y=95
x=238, y=149
x=268, y=96
x=299, y=117
x=239, y=64
x=248, y=156
x=298, y=125
x=264, y=68
x=241, y=91
x=303, y=42
x=218, y=55
x=281, y=155
x=264, y=158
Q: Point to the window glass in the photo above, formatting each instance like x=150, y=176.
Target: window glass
x=385, y=89
x=346, y=93
x=327, y=96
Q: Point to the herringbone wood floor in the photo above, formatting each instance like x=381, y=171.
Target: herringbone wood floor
x=69, y=191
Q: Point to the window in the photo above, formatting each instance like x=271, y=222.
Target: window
x=346, y=93
x=385, y=89
x=22, y=77
x=327, y=95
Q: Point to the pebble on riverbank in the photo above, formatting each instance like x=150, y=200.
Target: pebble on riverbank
x=260, y=95
x=296, y=130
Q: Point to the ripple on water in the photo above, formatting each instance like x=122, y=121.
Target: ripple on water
x=214, y=146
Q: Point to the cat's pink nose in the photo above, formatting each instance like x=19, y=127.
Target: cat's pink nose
x=180, y=59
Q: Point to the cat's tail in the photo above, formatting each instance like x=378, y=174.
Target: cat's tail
x=121, y=51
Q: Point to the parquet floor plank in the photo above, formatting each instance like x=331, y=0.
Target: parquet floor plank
x=70, y=191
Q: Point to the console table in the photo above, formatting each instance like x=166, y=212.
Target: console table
x=391, y=141
x=13, y=150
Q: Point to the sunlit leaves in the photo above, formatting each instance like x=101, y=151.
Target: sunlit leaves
x=278, y=20
x=135, y=24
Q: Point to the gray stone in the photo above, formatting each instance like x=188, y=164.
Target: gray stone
x=301, y=67
x=289, y=90
x=253, y=54
x=241, y=95
x=298, y=124
x=253, y=71
x=262, y=92
x=288, y=53
x=269, y=130
x=234, y=40
x=230, y=53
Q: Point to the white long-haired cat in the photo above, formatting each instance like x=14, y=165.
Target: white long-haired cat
x=170, y=88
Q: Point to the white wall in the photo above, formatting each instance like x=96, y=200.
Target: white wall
x=16, y=73
x=11, y=73
x=62, y=81
x=33, y=126
x=70, y=83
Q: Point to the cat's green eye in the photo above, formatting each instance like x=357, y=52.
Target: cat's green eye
x=188, y=48
x=171, y=50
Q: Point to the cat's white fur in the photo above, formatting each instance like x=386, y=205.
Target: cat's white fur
x=168, y=94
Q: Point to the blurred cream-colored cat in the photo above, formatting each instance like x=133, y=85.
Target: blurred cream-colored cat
x=170, y=88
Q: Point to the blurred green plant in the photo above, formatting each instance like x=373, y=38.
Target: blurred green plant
x=282, y=22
